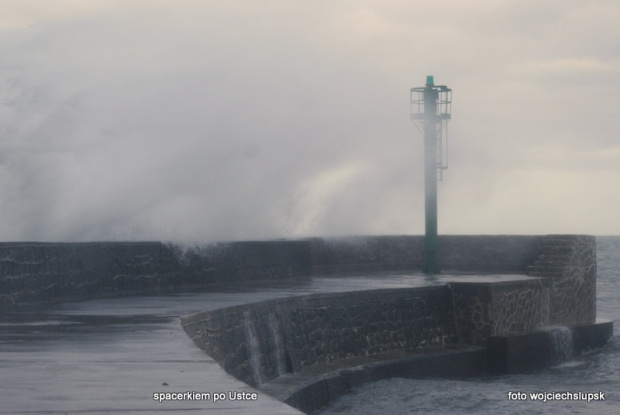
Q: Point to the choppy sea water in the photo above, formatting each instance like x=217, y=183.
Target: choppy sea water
x=595, y=372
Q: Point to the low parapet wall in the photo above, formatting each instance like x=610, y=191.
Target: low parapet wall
x=33, y=272
x=505, y=254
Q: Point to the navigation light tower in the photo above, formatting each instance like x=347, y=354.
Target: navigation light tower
x=430, y=110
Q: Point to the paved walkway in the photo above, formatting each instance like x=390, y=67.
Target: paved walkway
x=111, y=356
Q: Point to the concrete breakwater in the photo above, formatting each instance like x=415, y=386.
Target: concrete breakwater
x=308, y=350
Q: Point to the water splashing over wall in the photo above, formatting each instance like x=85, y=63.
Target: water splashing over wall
x=561, y=338
x=545, y=305
x=274, y=329
x=252, y=344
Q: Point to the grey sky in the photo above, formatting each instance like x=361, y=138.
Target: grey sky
x=218, y=120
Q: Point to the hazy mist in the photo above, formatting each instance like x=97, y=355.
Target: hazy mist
x=225, y=120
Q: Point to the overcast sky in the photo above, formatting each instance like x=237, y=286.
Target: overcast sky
x=225, y=120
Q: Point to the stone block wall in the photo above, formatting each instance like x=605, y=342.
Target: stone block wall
x=259, y=342
x=563, y=293
x=502, y=254
x=484, y=309
x=367, y=254
x=33, y=272
x=488, y=254
x=568, y=265
x=42, y=272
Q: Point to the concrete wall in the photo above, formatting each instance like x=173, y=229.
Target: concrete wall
x=317, y=340
x=41, y=272
x=460, y=253
x=563, y=292
x=519, y=353
x=33, y=272
x=311, y=393
x=568, y=265
x=484, y=309
x=259, y=342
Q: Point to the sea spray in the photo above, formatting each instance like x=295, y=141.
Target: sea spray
x=561, y=338
x=253, y=347
x=545, y=305
x=274, y=329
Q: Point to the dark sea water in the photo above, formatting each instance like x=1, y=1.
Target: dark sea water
x=595, y=372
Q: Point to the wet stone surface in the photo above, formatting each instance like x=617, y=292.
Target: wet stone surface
x=111, y=355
